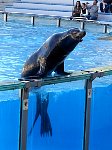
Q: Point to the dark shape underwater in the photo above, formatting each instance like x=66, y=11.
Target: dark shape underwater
x=41, y=110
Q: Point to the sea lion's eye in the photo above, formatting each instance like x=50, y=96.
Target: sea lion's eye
x=46, y=46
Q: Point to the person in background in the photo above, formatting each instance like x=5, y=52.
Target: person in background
x=77, y=10
x=84, y=10
x=106, y=6
x=93, y=11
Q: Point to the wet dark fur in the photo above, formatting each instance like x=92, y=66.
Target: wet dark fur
x=50, y=57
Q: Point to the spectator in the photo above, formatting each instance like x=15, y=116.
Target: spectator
x=106, y=6
x=84, y=10
x=93, y=11
x=88, y=6
x=77, y=10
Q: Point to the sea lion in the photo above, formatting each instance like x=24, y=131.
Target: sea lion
x=50, y=57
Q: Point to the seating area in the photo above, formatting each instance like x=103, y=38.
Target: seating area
x=52, y=8
x=57, y=9
x=42, y=7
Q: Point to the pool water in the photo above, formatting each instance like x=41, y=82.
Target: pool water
x=18, y=40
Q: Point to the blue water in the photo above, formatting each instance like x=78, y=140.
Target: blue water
x=18, y=40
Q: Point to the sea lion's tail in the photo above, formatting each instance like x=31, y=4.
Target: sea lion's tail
x=38, y=111
x=41, y=110
x=46, y=128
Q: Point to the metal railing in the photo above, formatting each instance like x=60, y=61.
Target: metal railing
x=24, y=86
x=82, y=20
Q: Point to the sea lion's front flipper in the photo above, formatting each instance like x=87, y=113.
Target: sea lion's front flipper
x=42, y=64
x=60, y=70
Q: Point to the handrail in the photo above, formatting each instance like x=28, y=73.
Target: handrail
x=76, y=75
x=83, y=20
x=4, y=86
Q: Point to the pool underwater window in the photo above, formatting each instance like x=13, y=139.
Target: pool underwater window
x=24, y=86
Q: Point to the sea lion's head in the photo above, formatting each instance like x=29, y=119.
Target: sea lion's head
x=71, y=38
x=76, y=34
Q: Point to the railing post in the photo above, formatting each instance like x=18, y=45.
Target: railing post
x=5, y=17
x=58, y=22
x=23, y=119
x=88, y=88
x=82, y=25
x=33, y=20
x=105, y=28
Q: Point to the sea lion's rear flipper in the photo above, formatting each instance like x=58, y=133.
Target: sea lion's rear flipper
x=42, y=105
x=46, y=128
x=60, y=70
x=38, y=111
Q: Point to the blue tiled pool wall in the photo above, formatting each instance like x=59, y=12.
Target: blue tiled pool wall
x=9, y=124
x=66, y=115
x=101, y=119
x=66, y=112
